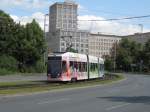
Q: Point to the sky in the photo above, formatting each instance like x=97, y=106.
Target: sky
x=25, y=10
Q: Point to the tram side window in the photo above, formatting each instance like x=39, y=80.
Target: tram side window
x=84, y=67
x=64, y=66
x=79, y=66
x=71, y=64
x=96, y=67
x=74, y=65
x=92, y=68
x=101, y=67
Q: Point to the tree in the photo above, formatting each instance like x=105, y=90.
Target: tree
x=123, y=59
x=146, y=55
x=30, y=45
x=128, y=53
x=26, y=44
x=71, y=50
x=108, y=64
x=6, y=33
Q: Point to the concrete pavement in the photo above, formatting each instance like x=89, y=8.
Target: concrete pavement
x=131, y=95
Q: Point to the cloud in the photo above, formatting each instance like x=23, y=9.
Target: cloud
x=25, y=4
x=107, y=27
x=38, y=16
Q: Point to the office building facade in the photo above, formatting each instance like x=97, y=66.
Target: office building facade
x=139, y=37
x=63, y=16
x=63, y=31
x=100, y=45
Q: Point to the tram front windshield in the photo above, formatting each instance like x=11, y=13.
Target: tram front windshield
x=54, y=66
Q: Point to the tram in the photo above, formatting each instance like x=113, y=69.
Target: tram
x=70, y=66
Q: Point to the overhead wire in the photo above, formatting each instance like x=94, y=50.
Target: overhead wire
x=118, y=19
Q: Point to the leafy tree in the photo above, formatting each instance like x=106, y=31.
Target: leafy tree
x=146, y=55
x=36, y=47
x=6, y=33
x=8, y=62
x=129, y=53
x=108, y=64
x=24, y=43
x=123, y=59
x=30, y=44
x=71, y=50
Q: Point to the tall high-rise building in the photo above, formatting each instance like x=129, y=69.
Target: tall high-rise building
x=63, y=16
x=63, y=28
x=63, y=32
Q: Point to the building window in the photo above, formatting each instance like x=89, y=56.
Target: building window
x=62, y=44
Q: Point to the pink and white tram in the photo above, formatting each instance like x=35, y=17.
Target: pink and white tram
x=73, y=66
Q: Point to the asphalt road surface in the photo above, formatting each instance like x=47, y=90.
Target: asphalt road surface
x=130, y=95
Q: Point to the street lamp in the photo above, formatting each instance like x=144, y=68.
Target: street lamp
x=141, y=28
x=115, y=52
x=44, y=34
x=45, y=23
x=141, y=61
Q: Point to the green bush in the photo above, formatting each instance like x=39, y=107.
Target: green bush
x=8, y=63
x=4, y=71
x=40, y=67
x=29, y=69
x=108, y=64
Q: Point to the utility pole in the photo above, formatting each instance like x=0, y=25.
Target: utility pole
x=141, y=28
x=141, y=31
x=44, y=34
x=115, y=50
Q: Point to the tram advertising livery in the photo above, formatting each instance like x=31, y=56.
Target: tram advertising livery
x=73, y=66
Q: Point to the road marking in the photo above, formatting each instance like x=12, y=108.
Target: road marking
x=53, y=101
x=117, y=106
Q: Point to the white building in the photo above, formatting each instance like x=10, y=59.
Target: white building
x=63, y=15
x=100, y=45
x=63, y=31
x=78, y=39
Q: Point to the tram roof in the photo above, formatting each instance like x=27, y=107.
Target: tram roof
x=76, y=56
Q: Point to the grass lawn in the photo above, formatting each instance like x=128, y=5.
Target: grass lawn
x=11, y=88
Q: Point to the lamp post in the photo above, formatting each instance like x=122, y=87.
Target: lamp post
x=141, y=28
x=115, y=51
x=44, y=34
x=141, y=31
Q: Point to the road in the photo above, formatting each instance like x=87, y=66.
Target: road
x=130, y=95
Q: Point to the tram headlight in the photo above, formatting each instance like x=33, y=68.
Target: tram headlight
x=49, y=75
x=59, y=75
